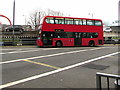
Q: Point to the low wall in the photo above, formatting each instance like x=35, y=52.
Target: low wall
x=24, y=38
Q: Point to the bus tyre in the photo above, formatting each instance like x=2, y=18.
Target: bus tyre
x=58, y=43
x=91, y=44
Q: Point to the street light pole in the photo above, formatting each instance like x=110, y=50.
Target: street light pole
x=25, y=22
x=13, y=20
x=91, y=15
x=119, y=13
x=24, y=19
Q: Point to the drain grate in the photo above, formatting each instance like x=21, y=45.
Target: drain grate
x=95, y=66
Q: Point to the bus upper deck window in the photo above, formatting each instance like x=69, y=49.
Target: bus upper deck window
x=59, y=20
x=84, y=22
x=47, y=20
x=98, y=23
x=50, y=20
x=68, y=21
x=78, y=21
x=90, y=22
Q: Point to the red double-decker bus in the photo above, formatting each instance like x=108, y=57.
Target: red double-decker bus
x=68, y=31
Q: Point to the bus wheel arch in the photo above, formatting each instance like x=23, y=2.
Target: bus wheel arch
x=91, y=43
x=59, y=43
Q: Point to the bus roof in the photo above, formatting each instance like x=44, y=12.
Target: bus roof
x=72, y=17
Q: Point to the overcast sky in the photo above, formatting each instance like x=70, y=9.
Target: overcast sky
x=107, y=10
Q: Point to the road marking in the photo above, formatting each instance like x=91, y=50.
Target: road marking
x=42, y=64
x=2, y=53
x=28, y=51
x=22, y=51
x=7, y=49
x=51, y=55
x=19, y=52
x=50, y=48
x=55, y=71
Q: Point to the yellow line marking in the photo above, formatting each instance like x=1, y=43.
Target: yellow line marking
x=42, y=64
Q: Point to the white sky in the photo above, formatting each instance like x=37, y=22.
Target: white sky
x=107, y=10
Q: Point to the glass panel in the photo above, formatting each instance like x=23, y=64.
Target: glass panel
x=47, y=20
x=84, y=35
x=94, y=35
x=59, y=20
x=80, y=34
x=98, y=23
x=68, y=21
x=62, y=21
x=88, y=35
x=76, y=35
x=56, y=21
x=69, y=34
x=50, y=20
x=90, y=22
x=60, y=35
x=84, y=22
x=78, y=21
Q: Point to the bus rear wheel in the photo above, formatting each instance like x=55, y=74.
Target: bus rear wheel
x=91, y=44
x=58, y=43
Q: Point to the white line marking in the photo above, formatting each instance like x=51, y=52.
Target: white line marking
x=19, y=52
x=7, y=49
x=29, y=51
x=57, y=54
x=22, y=51
x=55, y=71
x=51, y=48
x=2, y=53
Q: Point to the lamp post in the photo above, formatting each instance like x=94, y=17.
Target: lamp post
x=13, y=21
x=24, y=22
x=24, y=19
x=119, y=13
x=91, y=15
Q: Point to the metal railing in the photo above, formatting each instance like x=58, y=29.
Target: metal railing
x=107, y=76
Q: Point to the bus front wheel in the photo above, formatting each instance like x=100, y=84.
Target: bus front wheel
x=58, y=43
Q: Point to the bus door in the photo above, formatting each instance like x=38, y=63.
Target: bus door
x=47, y=38
x=78, y=39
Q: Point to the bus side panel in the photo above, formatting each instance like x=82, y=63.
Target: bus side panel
x=85, y=41
x=65, y=41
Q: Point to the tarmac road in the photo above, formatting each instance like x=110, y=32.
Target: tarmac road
x=66, y=67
